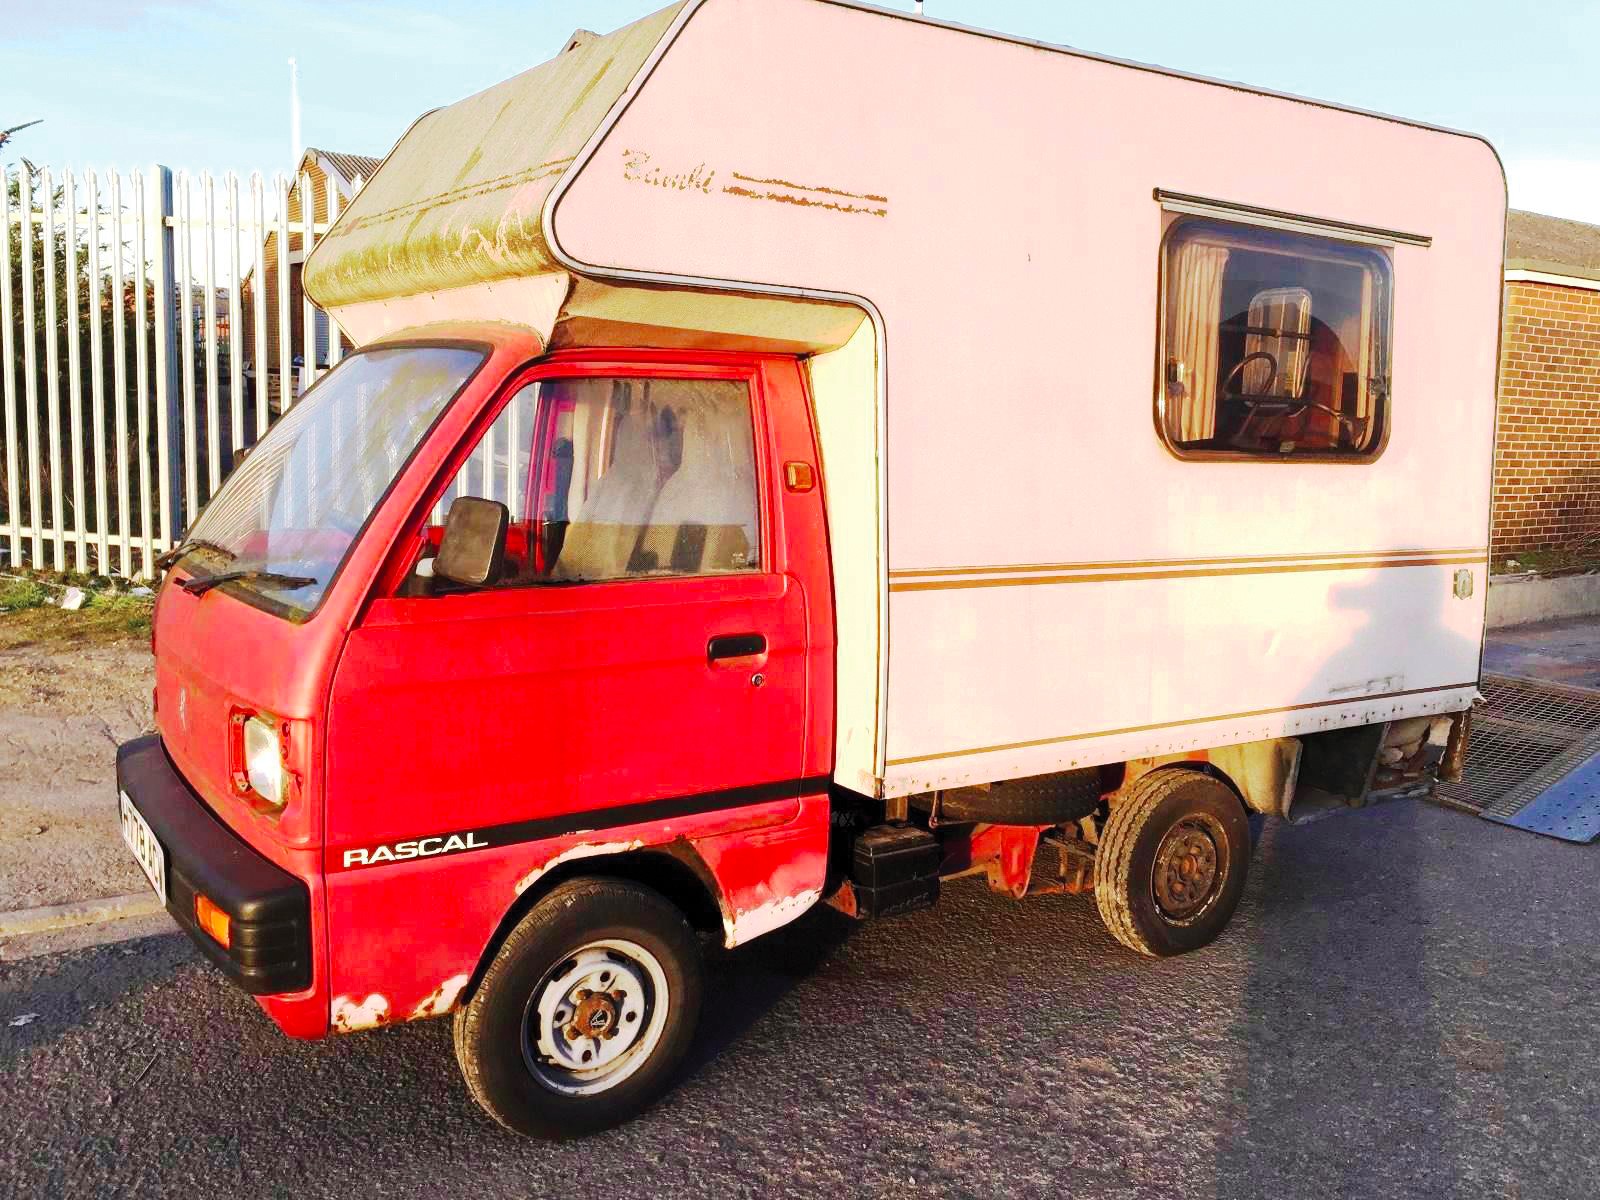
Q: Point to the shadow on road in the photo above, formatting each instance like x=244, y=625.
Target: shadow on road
x=1336, y=1017
x=1339, y=1083
x=745, y=984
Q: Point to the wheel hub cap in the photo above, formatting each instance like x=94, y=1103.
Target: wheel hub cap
x=595, y=1017
x=1187, y=868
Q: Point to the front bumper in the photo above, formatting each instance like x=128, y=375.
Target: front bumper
x=269, y=910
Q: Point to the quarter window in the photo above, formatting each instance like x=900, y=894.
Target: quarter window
x=1274, y=344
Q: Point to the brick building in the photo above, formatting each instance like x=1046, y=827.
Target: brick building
x=1547, y=445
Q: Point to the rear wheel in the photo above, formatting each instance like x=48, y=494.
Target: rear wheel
x=1172, y=863
x=586, y=1012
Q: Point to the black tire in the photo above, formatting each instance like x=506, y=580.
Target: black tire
x=497, y=1033
x=1039, y=800
x=1172, y=863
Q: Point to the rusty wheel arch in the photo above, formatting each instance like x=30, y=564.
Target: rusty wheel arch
x=675, y=870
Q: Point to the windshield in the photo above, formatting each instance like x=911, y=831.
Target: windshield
x=281, y=524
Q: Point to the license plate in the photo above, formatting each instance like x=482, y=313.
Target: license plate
x=146, y=849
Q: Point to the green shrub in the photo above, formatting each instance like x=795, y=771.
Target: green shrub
x=19, y=594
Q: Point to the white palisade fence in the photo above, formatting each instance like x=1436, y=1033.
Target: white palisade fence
x=151, y=328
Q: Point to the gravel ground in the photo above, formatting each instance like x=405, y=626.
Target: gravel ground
x=1404, y=1006
x=65, y=703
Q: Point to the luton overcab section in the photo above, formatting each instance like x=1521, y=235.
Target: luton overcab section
x=769, y=478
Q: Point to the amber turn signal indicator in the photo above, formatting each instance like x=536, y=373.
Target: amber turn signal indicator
x=212, y=919
x=798, y=476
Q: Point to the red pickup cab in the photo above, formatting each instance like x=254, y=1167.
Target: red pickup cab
x=503, y=676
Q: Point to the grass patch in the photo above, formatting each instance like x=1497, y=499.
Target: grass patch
x=30, y=613
x=16, y=595
x=120, y=615
x=1549, y=562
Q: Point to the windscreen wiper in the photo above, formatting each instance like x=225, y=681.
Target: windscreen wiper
x=182, y=548
x=199, y=585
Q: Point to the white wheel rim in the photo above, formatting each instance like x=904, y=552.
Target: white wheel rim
x=595, y=1017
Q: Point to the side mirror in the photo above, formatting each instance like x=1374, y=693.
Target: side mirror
x=472, y=551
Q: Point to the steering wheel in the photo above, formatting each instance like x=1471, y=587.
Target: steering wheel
x=1238, y=371
x=1292, y=408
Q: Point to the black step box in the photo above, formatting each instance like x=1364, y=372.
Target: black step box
x=895, y=869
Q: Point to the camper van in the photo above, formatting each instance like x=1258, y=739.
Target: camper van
x=799, y=453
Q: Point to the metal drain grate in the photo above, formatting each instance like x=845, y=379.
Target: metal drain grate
x=1528, y=737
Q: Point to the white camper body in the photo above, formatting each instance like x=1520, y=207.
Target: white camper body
x=976, y=241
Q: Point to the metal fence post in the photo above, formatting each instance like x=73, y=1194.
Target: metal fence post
x=8, y=378
x=169, y=412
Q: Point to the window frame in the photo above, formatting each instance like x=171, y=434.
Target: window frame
x=1346, y=249
x=590, y=364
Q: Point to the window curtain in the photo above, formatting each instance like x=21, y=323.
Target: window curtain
x=1196, y=298
x=1366, y=367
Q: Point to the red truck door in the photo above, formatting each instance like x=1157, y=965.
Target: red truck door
x=644, y=658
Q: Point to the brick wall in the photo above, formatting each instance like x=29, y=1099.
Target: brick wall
x=1547, y=446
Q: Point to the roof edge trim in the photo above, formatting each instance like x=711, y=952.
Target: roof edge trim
x=1272, y=218
x=1532, y=270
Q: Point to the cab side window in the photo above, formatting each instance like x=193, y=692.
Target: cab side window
x=609, y=478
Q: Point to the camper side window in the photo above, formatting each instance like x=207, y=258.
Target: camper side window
x=1274, y=344
x=609, y=477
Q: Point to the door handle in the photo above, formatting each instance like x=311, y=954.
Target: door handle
x=736, y=645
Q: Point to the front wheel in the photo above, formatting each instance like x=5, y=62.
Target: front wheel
x=586, y=1012
x=1171, y=863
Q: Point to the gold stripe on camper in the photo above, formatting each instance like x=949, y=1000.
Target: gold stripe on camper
x=946, y=578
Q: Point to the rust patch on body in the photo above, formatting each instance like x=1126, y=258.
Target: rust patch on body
x=442, y=999
x=350, y=1015
x=749, y=923
x=805, y=187
x=843, y=899
x=804, y=202
x=580, y=850
x=637, y=167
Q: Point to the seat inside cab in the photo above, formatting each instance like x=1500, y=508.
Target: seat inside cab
x=609, y=478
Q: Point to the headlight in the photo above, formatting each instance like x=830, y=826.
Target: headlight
x=263, y=759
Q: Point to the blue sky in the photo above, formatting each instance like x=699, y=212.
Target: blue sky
x=203, y=83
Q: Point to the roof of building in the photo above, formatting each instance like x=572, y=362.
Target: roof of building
x=351, y=166
x=1552, y=245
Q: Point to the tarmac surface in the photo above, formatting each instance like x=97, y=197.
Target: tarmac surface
x=1565, y=652
x=1405, y=1005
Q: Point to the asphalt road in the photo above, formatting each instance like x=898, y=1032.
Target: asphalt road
x=1405, y=1005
